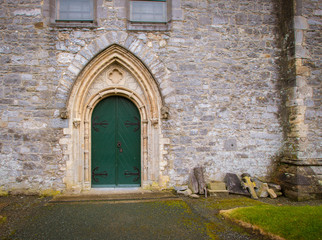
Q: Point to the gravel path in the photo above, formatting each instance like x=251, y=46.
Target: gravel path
x=31, y=217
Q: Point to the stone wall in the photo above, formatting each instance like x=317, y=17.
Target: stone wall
x=222, y=60
x=31, y=157
x=222, y=87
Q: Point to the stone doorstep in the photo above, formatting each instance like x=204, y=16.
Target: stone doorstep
x=218, y=193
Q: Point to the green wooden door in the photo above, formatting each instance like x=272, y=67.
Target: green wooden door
x=116, y=143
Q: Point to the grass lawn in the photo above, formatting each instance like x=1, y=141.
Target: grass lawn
x=289, y=222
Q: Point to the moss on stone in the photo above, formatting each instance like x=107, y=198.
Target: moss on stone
x=49, y=193
x=228, y=203
x=178, y=204
x=3, y=193
x=3, y=219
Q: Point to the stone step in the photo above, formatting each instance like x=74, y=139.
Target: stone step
x=218, y=193
x=120, y=197
x=216, y=186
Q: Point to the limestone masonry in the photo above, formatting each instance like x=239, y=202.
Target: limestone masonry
x=230, y=85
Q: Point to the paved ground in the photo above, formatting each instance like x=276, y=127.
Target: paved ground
x=149, y=216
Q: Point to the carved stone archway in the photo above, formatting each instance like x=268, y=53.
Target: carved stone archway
x=115, y=71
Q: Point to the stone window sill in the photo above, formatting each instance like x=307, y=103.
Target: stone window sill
x=71, y=24
x=139, y=26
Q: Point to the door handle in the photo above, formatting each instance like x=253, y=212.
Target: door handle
x=119, y=145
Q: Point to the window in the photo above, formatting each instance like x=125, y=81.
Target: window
x=148, y=11
x=150, y=15
x=73, y=13
x=74, y=10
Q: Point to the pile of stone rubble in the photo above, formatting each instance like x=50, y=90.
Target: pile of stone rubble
x=246, y=185
x=249, y=186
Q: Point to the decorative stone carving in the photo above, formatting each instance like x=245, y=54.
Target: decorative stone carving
x=164, y=112
x=154, y=121
x=115, y=75
x=63, y=114
x=76, y=123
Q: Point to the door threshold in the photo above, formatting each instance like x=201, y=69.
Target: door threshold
x=115, y=195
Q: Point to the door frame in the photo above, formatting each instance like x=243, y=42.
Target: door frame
x=80, y=102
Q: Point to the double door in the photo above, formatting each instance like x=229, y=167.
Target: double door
x=116, y=143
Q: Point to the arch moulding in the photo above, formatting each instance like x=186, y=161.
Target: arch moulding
x=94, y=83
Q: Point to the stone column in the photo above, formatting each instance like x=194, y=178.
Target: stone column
x=298, y=179
x=145, y=150
x=86, y=156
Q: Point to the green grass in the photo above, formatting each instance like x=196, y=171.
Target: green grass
x=289, y=222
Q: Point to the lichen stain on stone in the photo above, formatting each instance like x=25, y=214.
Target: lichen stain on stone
x=39, y=25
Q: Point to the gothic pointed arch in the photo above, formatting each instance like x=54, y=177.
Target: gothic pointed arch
x=115, y=55
x=114, y=71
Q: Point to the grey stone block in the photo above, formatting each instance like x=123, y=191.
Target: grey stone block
x=300, y=23
x=218, y=193
x=74, y=69
x=120, y=3
x=59, y=123
x=241, y=19
x=301, y=52
x=299, y=37
x=177, y=15
x=230, y=145
x=219, y=20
